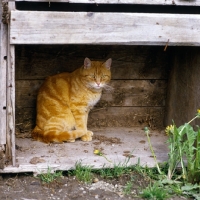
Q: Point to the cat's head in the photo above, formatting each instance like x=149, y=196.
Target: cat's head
x=96, y=74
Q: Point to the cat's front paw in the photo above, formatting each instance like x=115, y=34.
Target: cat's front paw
x=70, y=141
x=90, y=133
x=87, y=137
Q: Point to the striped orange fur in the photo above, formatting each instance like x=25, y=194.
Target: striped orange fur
x=64, y=101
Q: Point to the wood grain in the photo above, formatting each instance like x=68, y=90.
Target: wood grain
x=10, y=131
x=129, y=62
x=3, y=57
x=133, y=116
x=184, y=87
x=125, y=93
x=149, y=2
x=106, y=117
x=32, y=27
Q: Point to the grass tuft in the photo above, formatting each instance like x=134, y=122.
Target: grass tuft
x=49, y=176
x=82, y=173
x=155, y=192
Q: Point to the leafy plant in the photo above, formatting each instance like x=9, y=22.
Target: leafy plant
x=184, y=143
x=184, y=151
x=50, y=176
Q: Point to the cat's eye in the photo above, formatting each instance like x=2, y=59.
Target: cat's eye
x=92, y=76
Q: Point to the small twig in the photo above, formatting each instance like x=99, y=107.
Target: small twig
x=166, y=45
x=151, y=148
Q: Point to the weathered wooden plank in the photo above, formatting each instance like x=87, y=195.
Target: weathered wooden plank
x=184, y=87
x=125, y=93
x=105, y=117
x=25, y=120
x=10, y=132
x=11, y=105
x=54, y=156
x=149, y=2
x=32, y=27
x=135, y=93
x=2, y=157
x=127, y=116
x=3, y=58
x=129, y=62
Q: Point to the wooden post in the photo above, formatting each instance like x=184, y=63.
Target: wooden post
x=10, y=147
x=3, y=58
x=3, y=63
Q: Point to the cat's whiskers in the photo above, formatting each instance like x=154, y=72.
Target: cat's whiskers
x=108, y=88
x=95, y=86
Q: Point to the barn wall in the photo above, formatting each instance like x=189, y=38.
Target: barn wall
x=139, y=78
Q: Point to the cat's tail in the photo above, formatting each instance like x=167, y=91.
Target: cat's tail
x=55, y=136
x=38, y=134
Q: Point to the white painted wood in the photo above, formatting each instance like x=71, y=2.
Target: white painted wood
x=11, y=96
x=64, y=156
x=32, y=27
x=149, y=2
x=3, y=54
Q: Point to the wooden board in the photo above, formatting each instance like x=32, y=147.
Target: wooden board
x=149, y=2
x=10, y=98
x=184, y=94
x=3, y=57
x=101, y=117
x=124, y=93
x=32, y=27
x=65, y=156
x=129, y=62
x=127, y=116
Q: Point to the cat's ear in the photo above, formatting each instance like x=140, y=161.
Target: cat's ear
x=108, y=63
x=87, y=63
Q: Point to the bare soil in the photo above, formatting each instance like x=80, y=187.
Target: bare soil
x=28, y=187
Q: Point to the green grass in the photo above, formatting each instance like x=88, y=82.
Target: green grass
x=82, y=173
x=49, y=176
x=128, y=188
x=115, y=172
x=155, y=192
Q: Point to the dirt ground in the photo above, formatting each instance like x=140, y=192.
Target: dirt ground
x=28, y=187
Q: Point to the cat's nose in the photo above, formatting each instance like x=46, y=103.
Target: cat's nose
x=98, y=83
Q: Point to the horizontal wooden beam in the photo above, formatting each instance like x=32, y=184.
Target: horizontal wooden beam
x=149, y=2
x=125, y=93
x=33, y=27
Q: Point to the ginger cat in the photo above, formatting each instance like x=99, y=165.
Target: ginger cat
x=64, y=101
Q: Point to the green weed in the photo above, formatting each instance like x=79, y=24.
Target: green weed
x=115, y=172
x=127, y=188
x=49, y=176
x=184, y=143
x=184, y=151
x=82, y=173
x=155, y=192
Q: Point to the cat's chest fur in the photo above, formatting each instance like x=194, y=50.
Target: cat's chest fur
x=93, y=101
